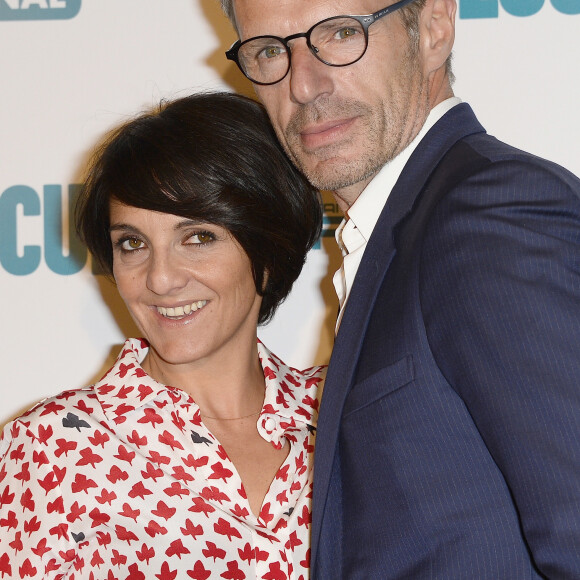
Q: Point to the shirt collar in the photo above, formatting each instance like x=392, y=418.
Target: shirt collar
x=290, y=398
x=126, y=386
x=366, y=210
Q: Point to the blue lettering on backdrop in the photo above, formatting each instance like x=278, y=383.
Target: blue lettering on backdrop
x=9, y=258
x=53, y=242
x=28, y=262
x=567, y=6
x=522, y=7
x=490, y=8
x=478, y=8
x=39, y=9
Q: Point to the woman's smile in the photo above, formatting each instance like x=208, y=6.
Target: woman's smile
x=181, y=312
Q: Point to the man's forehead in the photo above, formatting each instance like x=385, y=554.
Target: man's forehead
x=256, y=17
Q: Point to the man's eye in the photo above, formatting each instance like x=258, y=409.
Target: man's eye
x=271, y=52
x=345, y=33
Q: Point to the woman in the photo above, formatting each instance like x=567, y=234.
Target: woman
x=192, y=456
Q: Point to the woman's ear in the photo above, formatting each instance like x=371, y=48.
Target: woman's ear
x=437, y=32
x=264, y=281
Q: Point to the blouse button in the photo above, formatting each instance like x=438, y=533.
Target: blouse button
x=270, y=424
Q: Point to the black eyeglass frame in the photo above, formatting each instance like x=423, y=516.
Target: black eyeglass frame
x=365, y=20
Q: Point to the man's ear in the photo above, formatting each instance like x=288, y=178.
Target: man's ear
x=437, y=32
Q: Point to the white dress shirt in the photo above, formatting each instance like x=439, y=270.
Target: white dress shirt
x=359, y=222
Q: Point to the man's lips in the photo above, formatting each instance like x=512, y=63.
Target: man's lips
x=326, y=133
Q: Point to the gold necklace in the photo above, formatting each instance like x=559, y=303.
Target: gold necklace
x=231, y=418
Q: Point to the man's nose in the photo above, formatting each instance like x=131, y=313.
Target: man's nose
x=309, y=77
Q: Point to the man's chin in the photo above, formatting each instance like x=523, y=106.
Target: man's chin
x=331, y=175
x=336, y=172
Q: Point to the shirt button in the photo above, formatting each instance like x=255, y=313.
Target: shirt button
x=270, y=424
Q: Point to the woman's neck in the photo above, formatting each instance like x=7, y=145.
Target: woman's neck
x=222, y=386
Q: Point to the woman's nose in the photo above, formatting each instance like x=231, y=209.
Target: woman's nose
x=165, y=274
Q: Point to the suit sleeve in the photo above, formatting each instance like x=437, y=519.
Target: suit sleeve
x=500, y=291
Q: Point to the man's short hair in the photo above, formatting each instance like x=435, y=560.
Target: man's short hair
x=228, y=8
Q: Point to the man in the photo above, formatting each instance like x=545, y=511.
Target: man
x=448, y=441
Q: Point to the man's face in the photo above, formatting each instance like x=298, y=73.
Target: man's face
x=340, y=125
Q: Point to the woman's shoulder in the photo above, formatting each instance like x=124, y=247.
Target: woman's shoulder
x=84, y=400
x=72, y=408
x=80, y=400
x=66, y=407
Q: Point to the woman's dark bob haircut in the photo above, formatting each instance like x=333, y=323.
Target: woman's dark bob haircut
x=212, y=157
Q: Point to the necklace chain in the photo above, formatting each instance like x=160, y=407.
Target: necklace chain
x=231, y=418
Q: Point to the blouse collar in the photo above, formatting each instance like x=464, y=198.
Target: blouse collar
x=290, y=401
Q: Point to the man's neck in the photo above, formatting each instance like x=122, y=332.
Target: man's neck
x=346, y=196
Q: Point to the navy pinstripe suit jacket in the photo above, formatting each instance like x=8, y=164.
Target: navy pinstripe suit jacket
x=448, y=444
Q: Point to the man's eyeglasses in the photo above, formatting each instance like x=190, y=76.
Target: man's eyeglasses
x=335, y=41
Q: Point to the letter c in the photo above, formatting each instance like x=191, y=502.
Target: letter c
x=9, y=258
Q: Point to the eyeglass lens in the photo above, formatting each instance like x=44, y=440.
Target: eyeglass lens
x=336, y=41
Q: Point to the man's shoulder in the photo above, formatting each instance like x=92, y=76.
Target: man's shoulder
x=498, y=152
x=504, y=167
x=460, y=126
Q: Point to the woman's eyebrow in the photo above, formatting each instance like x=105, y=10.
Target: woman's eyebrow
x=184, y=223
x=187, y=222
x=123, y=227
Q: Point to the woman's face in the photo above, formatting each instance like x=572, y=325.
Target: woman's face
x=188, y=285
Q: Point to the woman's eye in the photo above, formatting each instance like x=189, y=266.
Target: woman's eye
x=202, y=238
x=131, y=244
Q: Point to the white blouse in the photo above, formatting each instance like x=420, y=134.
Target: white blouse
x=122, y=480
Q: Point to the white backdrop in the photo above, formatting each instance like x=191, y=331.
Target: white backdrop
x=72, y=69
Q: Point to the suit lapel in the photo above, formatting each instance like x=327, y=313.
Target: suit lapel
x=380, y=251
